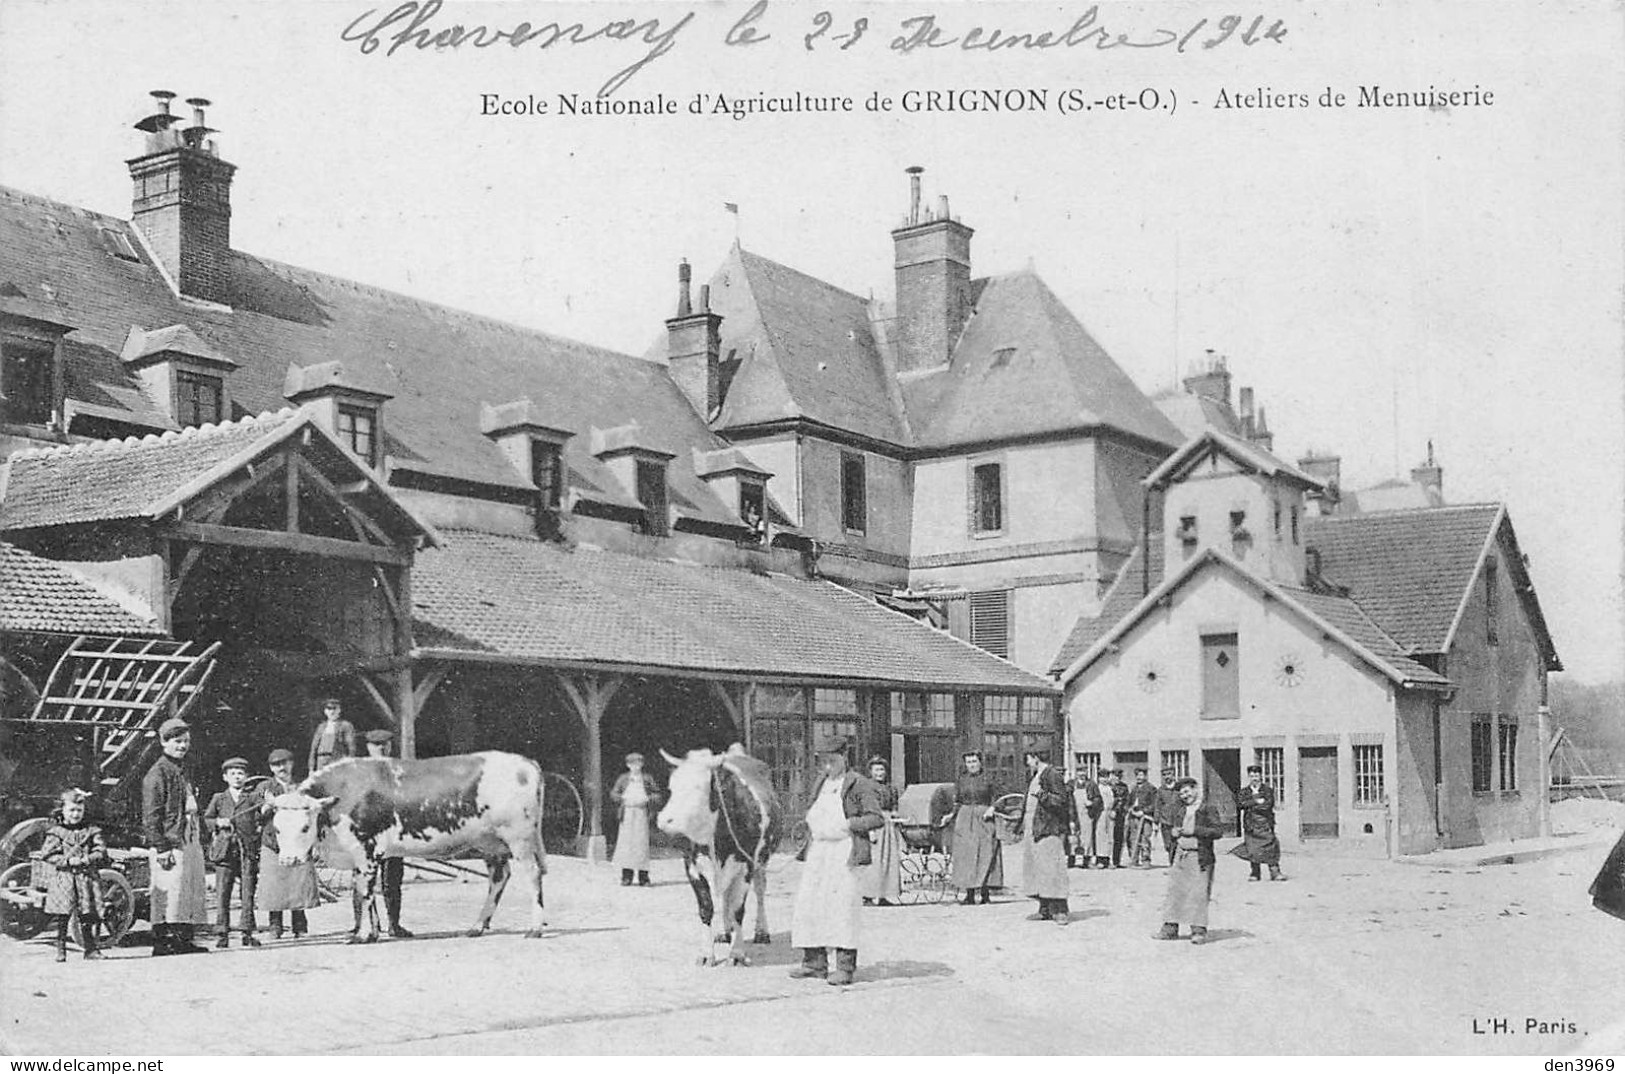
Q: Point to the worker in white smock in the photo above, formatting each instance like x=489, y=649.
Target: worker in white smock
x=636, y=796
x=845, y=809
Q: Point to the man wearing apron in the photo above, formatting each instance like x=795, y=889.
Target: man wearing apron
x=170, y=815
x=845, y=809
x=1044, y=822
x=636, y=796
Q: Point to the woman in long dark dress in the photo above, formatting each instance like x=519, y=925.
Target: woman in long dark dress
x=882, y=879
x=978, y=863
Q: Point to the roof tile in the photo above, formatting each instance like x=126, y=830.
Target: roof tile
x=37, y=595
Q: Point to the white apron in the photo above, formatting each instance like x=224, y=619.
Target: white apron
x=828, y=905
x=1043, y=863
x=177, y=893
x=632, y=841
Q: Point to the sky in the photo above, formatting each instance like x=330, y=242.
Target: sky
x=1383, y=277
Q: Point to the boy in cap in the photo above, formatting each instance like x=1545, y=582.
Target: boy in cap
x=392, y=869
x=636, y=797
x=282, y=888
x=334, y=739
x=846, y=808
x=233, y=820
x=170, y=818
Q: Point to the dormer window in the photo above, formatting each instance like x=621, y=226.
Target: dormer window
x=28, y=380
x=547, y=473
x=358, y=431
x=651, y=493
x=199, y=399
x=753, y=507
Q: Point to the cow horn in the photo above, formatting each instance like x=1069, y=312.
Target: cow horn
x=673, y=761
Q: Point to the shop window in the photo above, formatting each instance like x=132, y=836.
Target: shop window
x=1508, y=729
x=1483, y=747
x=1368, y=784
x=987, y=498
x=198, y=399
x=358, y=431
x=854, y=493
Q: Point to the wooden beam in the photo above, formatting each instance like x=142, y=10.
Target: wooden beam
x=733, y=703
x=291, y=490
x=298, y=543
x=212, y=504
x=379, y=700
x=389, y=593
x=590, y=698
x=430, y=681
x=406, y=713
x=177, y=579
x=356, y=517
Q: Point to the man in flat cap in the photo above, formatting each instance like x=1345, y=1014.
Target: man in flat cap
x=1170, y=809
x=636, y=797
x=1142, y=813
x=845, y=809
x=392, y=870
x=170, y=817
x=282, y=888
x=334, y=738
x=233, y=821
x=1259, y=845
x=1046, y=817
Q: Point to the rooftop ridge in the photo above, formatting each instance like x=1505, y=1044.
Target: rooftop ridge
x=1483, y=505
x=744, y=253
x=399, y=299
x=193, y=432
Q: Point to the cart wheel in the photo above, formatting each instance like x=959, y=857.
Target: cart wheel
x=936, y=867
x=21, y=915
x=118, y=911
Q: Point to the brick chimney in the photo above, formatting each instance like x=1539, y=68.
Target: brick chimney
x=693, y=342
x=1430, y=475
x=182, y=201
x=1260, y=433
x=1213, y=382
x=1328, y=469
x=933, y=281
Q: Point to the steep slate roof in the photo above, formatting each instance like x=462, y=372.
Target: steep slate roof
x=1339, y=615
x=1055, y=376
x=37, y=595
x=807, y=349
x=1194, y=414
x=1126, y=591
x=439, y=364
x=1412, y=570
x=528, y=601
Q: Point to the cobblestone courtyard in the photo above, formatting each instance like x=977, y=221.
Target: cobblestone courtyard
x=1349, y=956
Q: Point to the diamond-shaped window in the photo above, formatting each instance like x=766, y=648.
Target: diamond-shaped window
x=1223, y=659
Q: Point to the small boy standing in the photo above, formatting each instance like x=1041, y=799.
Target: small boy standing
x=77, y=849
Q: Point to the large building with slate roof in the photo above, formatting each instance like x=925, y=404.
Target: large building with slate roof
x=489, y=536
x=1387, y=669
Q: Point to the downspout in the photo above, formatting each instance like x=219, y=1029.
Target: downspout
x=1145, y=544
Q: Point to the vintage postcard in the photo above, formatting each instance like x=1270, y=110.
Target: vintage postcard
x=764, y=526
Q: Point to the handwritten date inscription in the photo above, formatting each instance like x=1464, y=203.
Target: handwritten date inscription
x=418, y=26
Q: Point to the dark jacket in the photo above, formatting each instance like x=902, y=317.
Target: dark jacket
x=618, y=792
x=977, y=790
x=888, y=796
x=1257, y=810
x=1206, y=829
x=1093, y=802
x=245, y=820
x=1119, y=799
x=163, y=804
x=1053, y=815
x=1142, y=798
x=860, y=800
x=1169, y=808
x=343, y=743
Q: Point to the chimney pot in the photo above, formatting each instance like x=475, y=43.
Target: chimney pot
x=705, y=298
x=914, y=173
x=684, y=274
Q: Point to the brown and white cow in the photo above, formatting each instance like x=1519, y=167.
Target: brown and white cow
x=728, y=817
x=485, y=804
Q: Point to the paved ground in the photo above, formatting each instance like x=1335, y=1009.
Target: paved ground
x=1349, y=956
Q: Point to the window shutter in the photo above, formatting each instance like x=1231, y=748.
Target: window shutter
x=990, y=621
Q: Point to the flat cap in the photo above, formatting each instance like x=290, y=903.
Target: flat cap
x=1255, y=768
x=173, y=728
x=234, y=762
x=634, y=757
x=278, y=756
x=381, y=735
x=839, y=744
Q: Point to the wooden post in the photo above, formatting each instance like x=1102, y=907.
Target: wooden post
x=590, y=697
x=406, y=709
